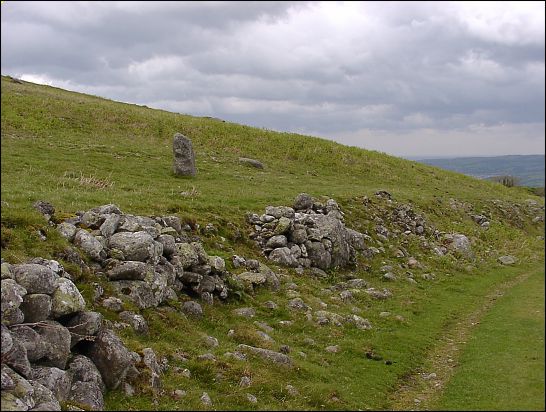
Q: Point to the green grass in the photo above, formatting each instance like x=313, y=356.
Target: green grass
x=502, y=366
x=79, y=151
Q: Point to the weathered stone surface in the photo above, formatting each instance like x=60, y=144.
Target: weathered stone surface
x=150, y=361
x=129, y=270
x=45, y=208
x=12, y=297
x=111, y=357
x=303, y=201
x=67, y=230
x=137, y=246
x=459, y=244
x=91, y=246
x=297, y=304
x=251, y=162
x=36, y=307
x=137, y=322
x=193, y=309
x=88, y=395
x=110, y=224
x=245, y=312
x=283, y=256
x=184, y=156
x=66, y=299
x=17, y=359
x=359, y=322
x=7, y=340
x=35, y=278
x=507, y=260
x=83, y=325
x=138, y=291
x=173, y=222
x=187, y=254
x=276, y=242
x=20, y=395
x=169, y=244
x=55, y=379
x=82, y=369
x=112, y=303
x=44, y=398
x=269, y=355
x=57, y=340
x=31, y=340
x=251, y=278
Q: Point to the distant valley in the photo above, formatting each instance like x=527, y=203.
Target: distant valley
x=528, y=169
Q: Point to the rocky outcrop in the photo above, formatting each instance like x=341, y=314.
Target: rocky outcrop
x=53, y=351
x=310, y=234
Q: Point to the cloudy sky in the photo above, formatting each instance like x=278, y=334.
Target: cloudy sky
x=408, y=78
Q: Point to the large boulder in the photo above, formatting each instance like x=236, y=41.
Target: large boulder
x=184, y=156
x=35, y=278
x=66, y=299
x=90, y=245
x=111, y=357
x=137, y=246
x=57, y=340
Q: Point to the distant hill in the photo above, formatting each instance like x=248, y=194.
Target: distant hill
x=529, y=169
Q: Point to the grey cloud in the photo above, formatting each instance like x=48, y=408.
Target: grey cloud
x=326, y=68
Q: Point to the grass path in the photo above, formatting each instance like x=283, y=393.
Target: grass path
x=430, y=387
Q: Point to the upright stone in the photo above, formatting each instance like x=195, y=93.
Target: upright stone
x=184, y=157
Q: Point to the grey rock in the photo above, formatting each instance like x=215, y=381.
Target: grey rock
x=112, y=303
x=245, y=312
x=57, y=340
x=507, y=260
x=332, y=349
x=251, y=162
x=276, y=242
x=83, y=325
x=283, y=226
x=137, y=322
x=67, y=230
x=303, y=201
x=137, y=246
x=298, y=304
x=88, y=395
x=269, y=355
x=110, y=225
x=174, y=222
x=169, y=244
x=187, y=254
x=66, y=299
x=205, y=399
x=111, y=357
x=12, y=296
x=137, y=291
x=193, y=309
x=129, y=270
x=284, y=257
x=359, y=322
x=17, y=359
x=92, y=220
x=20, y=395
x=82, y=369
x=184, y=156
x=389, y=276
x=35, y=278
x=45, y=208
x=245, y=382
x=31, y=340
x=7, y=340
x=150, y=361
x=56, y=380
x=91, y=246
x=459, y=244
x=44, y=398
x=36, y=307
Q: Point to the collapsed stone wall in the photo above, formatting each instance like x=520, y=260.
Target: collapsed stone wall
x=146, y=259
x=309, y=234
x=53, y=350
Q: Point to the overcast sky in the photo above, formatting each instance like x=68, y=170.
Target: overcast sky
x=408, y=78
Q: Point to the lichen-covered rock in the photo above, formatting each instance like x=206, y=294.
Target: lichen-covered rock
x=184, y=156
x=137, y=322
x=55, y=379
x=83, y=325
x=36, y=307
x=138, y=291
x=459, y=244
x=139, y=246
x=88, y=395
x=19, y=397
x=303, y=201
x=169, y=244
x=57, y=340
x=90, y=245
x=111, y=357
x=269, y=355
x=35, y=278
x=110, y=224
x=193, y=309
x=67, y=230
x=12, y=296
x=507, y=260
x=283, y=256
x=129, y=270
x=66, y=299
x=44, y=398
x=187, y=254
x=150, y=361
x=31, y=340
x=17, y=359
x=82, y=369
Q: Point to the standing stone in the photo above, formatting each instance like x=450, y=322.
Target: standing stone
x=184, y=157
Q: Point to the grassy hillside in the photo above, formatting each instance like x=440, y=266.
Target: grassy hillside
x=528, y=169
x=77, y=152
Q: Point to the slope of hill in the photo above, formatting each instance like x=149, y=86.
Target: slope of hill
x=528, y=169
x=78, y=152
